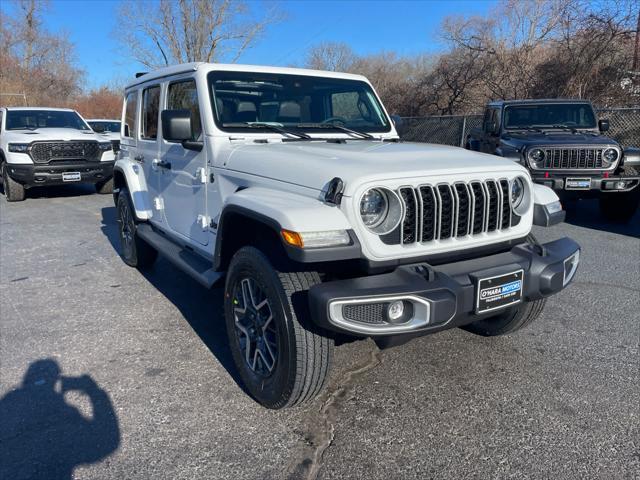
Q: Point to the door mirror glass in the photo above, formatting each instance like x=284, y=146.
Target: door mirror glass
x=176, y=125
x=603, y=125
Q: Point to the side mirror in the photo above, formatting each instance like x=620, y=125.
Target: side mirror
x=603, y=125
x=176, y=125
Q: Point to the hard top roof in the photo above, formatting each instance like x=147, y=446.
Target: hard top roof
x=529, y=101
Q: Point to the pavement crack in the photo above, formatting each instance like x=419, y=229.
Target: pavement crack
x=321, y=433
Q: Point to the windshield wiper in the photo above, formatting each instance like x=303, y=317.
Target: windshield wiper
x=268, y=126
x=337, y=127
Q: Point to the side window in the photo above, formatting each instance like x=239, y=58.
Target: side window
x=490, y=118
x=131, y=107
x=150, y=108
x=184, y=96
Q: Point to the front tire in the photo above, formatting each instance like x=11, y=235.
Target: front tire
x=105, y=187
x=282, y=358
x=134, y=251
x=509, y=321
x=14, y=191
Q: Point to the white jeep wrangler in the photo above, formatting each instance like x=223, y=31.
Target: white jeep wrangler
x=51, y=146
x=293, y=186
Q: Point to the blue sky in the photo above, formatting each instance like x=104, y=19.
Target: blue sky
x=406, y=27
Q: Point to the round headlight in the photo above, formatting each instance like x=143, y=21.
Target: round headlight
x=610, y=155
x=381, y=210
x=374, y=207
x=536, y=156
x=517, y=192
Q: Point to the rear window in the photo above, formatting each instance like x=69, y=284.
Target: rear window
x=150, y=110
x=130, y=123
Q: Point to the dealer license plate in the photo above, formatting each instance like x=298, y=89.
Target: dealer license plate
x=71, y=176
x=577, y=184
x=499, y=292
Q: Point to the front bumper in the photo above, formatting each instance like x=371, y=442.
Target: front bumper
x=441, y=297
x=51, y=174
x=586, y=181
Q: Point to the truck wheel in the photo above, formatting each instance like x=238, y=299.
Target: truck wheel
x=621, y=207
x=13, y=190
x=105, y=187
x=282, y=358
x=508, y=321
x=134, y=251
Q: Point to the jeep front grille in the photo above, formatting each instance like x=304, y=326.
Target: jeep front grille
x=572, y=158
x=445, y=211
x=45, y=152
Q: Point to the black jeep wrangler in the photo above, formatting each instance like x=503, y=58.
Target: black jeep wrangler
x=563, y=145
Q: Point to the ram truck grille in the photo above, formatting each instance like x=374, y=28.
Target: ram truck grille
x=45, y=152
x=572, y=158
x=445, y=211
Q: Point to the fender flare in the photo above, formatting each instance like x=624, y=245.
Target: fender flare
x=547, y=209
x=278, y=210
x=137, y=186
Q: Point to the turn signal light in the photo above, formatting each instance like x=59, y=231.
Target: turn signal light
x=292, y=238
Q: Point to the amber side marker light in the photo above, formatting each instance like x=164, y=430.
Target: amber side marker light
x=292, y=238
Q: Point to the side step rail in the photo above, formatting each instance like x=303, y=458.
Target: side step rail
x=187, y=261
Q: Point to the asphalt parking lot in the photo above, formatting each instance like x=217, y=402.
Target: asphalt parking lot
x=78, y=327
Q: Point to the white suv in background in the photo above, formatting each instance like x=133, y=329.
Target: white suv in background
x=51, y=146
x=109, y=129
x=293, y=187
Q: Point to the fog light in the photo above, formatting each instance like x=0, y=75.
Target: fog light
x=570, y=267
x=395, y=310
x=621, y=185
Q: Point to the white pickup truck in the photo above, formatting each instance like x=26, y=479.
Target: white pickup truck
x=292, y=186
x=51, y=146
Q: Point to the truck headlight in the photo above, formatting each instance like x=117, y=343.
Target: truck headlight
x=517, y=192
x=380, y=210
x=19, y=147
x=609, y=156
x=373, y=207
x=536, y=157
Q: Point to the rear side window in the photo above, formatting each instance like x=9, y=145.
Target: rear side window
x=131, y=107
x=150, y=108
x=184, y=96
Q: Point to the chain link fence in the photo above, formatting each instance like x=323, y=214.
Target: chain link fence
x=453, y=129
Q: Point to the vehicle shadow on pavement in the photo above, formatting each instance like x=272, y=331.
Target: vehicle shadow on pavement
x=586, y=213
x=61, y=191
x=44, y=437
x=202, y=308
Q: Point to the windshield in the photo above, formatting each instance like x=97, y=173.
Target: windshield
x=553, y=115
x=297, y=102
x=101, y=126
x=33, y=119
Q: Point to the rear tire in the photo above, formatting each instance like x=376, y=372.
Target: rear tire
x=283, y=359
x=14, y=191
x=508, y=321
x=105, y=187
x=621, y=207
x=134, y=251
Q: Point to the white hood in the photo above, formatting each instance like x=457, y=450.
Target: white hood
x=313, y=164
x=46, y=134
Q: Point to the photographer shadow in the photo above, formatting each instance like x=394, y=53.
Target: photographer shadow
x=44, y=437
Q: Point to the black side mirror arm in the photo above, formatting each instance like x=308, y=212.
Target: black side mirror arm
x=194, y=145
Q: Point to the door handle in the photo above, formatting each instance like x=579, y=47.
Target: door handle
x=161, y=164
x=139, y=158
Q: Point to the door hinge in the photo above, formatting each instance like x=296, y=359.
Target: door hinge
x=158, y=203
x=204, y=222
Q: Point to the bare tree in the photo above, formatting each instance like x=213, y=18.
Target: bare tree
x=178, y=31
x=333, y=56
